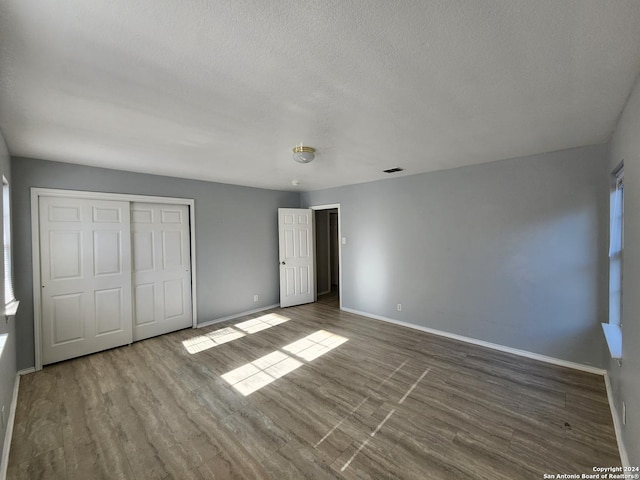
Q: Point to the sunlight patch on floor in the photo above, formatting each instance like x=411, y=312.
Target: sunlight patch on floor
x=227, y=334
x=261, y=323
x=255, y=375
x=312, y=346
x=211, y=339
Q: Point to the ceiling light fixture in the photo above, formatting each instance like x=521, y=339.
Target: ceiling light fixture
x=302, y=154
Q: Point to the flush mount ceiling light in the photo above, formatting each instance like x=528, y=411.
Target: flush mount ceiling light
x=302, y=154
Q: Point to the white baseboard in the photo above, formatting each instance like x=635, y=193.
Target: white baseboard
x=482, y=343
x=4, y=462
x=27, y=371
x=617, y=424
x=237, y=315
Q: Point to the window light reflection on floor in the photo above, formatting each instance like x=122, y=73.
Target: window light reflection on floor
x=261, y=323
x=211, y=339
x=255, y=375
x=314, y=345
x=227, y=334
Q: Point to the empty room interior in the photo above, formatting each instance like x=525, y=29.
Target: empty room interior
x=320, y=240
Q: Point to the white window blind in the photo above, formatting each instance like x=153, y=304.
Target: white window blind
x=616, y=241
x=9, y=296
x=616, y=249
x=613, y=329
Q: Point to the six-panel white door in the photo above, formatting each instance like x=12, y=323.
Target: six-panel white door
x=161, y=269
x=296, y=245
x=85, y=257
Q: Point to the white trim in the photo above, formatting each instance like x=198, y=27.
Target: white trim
x=123, y=197
x=482, y=343
x=331, y=206
x=8, y=434
x=37, y=192
x=315, y=256
x=613, y=335
x=237, y=315
x=192, y=234
x=35, y=265
x=11, y=308
x=617, y=425
x=27, y=371
x=328, y=206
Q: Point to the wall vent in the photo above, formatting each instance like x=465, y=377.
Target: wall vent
x=393, y=170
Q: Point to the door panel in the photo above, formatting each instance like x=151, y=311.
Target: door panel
x=143, y=247
x=85, y=257
x=303, y=236
x=162, y=269
x=289, y=242
x=172, y=216
x=65, y=255
x=172, y=250
x=64, y=213
x=108, y=308
x=106, y=215
x=173, y=295
x=295, y=227
x=142, y=215
x=106, y=253
x=304, y=280
x=145, y=304
x=67, y=319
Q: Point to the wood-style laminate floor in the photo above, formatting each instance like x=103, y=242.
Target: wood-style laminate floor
x=327, y=395
x=332, y=298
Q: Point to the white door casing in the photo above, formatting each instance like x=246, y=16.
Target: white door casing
x=339, y=239
x=296, y=248
x=161, y=269
x=85, y=263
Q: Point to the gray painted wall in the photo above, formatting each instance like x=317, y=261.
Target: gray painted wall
x=625, y=380
x=236, y=235
x=512, y=252
x=7, y=324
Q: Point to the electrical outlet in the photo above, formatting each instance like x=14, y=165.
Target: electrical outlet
x=255, y=298
x=624, y=413
x=399, y=307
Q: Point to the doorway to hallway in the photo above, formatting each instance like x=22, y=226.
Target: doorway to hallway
x=327, y=251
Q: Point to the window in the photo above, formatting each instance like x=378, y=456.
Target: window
x=613, y=330
x=10, y=303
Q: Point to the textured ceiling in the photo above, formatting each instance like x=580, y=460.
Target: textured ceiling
x=222, y=90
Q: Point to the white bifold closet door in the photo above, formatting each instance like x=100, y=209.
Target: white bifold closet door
x=161, y=269
x=85, y=262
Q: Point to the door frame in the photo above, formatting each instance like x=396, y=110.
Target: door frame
x=332, y=206
x=37, y=192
